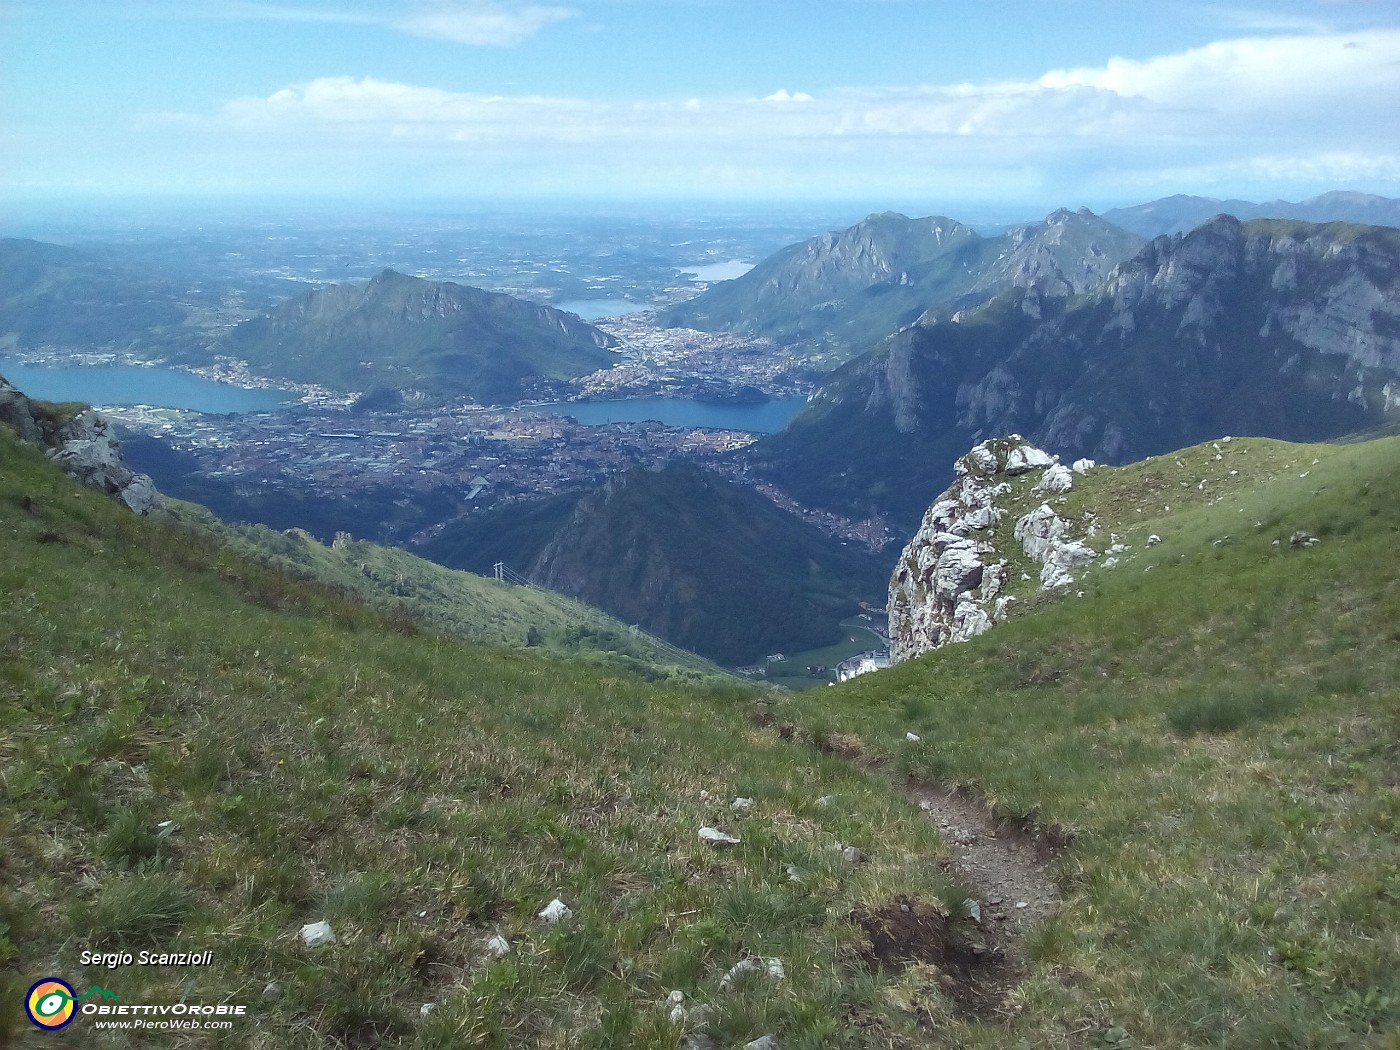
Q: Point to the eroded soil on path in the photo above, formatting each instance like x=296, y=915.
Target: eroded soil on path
x=979, y=950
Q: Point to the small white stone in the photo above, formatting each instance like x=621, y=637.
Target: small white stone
x=715, y=837
x=316, y=934
x=775, y=969
x=498, y=946
x=794, y=873
x=1022, y=904
x=426, y=1009
x=676, y=1000
x=913, y=738
x=741, y=805
x=556, y=910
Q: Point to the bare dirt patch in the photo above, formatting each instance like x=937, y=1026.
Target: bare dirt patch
x=1007, y=865
x=973, y=967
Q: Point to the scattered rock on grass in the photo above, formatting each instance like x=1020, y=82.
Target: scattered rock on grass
x=766, y=1042
x=498, y=945
x=316, y=934
x=555, y=911
x=772, y=967
x=742, y=805
x=715, y=837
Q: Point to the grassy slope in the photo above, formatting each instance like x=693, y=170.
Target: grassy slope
x=1217, y=723
x=418, y=793
x=460, y=604
x=1220, y=733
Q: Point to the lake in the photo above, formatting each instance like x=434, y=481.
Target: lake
x=769, y=417
x=712, y=273
x=137, y=385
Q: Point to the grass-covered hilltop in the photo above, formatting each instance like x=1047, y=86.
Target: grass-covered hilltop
x=1195, y=767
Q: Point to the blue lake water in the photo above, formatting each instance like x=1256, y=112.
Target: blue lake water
x=766, y=418
x=725, y=271
x=592, y=309
x=137, y=385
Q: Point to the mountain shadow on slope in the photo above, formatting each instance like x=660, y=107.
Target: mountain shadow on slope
x=708, y=565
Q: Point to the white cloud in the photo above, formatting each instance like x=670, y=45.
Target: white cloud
x=1286, y=110
x=482, y=23
x=784, y=95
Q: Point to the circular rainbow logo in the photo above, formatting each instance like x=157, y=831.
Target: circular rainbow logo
x=50, y=1003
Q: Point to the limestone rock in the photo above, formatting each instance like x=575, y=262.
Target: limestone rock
x=948, y=584
x=317, y=934
x=715, y=837
x=498, y=946
x=84, y=446
x=556, y=911
x=773, y=968
x=1056, y=478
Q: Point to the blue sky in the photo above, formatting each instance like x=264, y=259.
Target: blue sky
x=1025, y=103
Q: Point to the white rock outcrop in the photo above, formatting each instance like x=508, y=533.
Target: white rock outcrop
x=84, y=446
x=949, y=582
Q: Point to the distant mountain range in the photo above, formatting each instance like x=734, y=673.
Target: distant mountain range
x=707, y=564
x=1272, y=328
x=51, y=295
x=395, y=332
x=434, y=337
x=1181, y=214
x=847, y=289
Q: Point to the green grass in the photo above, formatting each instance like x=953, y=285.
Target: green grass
x=460, y=604
x=1216, y=722
x=418, y=793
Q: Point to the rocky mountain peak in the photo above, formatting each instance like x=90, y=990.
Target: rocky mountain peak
x=953, y=579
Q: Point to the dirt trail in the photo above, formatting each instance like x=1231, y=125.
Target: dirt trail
x=1006, y=867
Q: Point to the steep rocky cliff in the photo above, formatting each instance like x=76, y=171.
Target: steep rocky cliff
x=849, y=288
x=955, y=578
x=80, y=441
x=1271, y=328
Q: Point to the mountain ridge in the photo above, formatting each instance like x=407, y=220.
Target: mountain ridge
x=1182, y=213
x=1152, y=359
x=846, y=289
